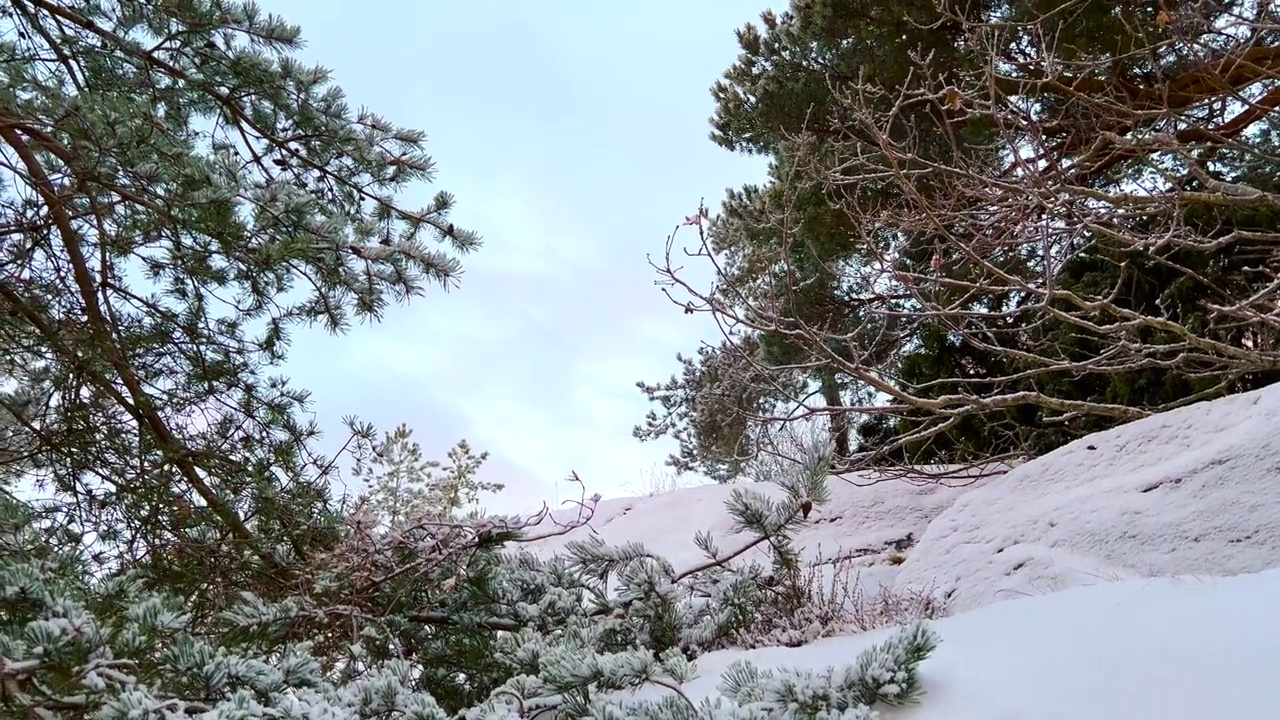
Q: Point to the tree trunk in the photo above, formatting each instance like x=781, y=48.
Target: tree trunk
x=838, y=420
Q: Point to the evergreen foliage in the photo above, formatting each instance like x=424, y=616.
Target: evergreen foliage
x=875, y=279
x=402, y=484
x=178, y=193
x=564, y=634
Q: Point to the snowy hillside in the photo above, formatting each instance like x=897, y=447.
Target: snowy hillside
x=1195, y=491
x=872, y=527
x=1191, y=497
x=1191, y=492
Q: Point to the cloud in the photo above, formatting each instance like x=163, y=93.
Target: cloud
x=535, y=357
x=574, y=142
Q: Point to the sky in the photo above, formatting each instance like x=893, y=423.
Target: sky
x=575, y=139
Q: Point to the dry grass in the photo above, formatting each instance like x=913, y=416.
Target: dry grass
x=659, y=479
x=828, y=599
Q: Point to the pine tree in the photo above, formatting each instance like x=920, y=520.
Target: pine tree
x=890, y=266
x=776, y=100
x=708, y=408
x=567, y=632
x=403, y=486
x=180, y=192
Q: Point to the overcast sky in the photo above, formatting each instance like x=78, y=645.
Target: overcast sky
x=574, y=136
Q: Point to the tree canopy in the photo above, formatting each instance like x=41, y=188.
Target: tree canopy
x=988, y=229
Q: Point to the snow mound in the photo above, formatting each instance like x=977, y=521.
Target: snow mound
x=1195, y=491
x=872, y=526
x=1173, y=648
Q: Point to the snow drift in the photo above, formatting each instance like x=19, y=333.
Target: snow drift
x=1195, y=492
x=1173, y=648
x=1175, y=521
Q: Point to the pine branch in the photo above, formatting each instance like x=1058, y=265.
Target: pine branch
x=139, y=405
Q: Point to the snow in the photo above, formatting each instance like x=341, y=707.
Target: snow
x=1129, y=575
x=1195, y=491
x=1171, y=648
x=864, y=524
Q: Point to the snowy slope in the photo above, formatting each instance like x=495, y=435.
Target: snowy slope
x=1173, y=649
x=1127, y=576
x=1195, y=491
x=865, y=524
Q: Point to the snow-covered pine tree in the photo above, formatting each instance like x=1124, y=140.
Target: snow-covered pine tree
x=179, y=192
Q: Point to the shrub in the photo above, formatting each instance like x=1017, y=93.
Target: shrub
x=828, y=599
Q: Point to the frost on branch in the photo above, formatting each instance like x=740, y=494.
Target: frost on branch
x=428, y=620
x=74, y=646
x=887, y=673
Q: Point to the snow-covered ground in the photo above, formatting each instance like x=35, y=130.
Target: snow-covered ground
x=1164, y=649
x=1173, y=520
x=872, y=527
x=1195, y=491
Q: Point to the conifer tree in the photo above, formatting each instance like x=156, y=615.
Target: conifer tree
x=403, y=485
x=989, y=228
x=779, y=245
x=180, y=193
x=73, y=645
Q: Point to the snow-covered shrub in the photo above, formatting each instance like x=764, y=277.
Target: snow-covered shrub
x=579, y=684
x=890, y=606
x=422, y=622
x=74, y=646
